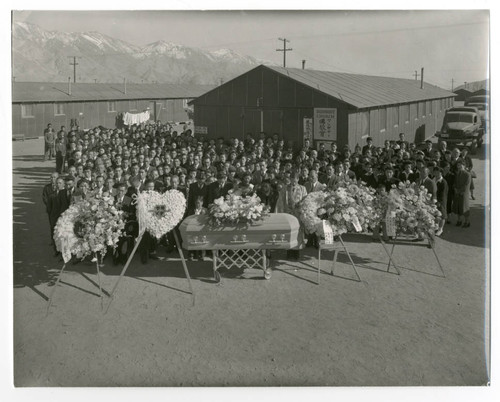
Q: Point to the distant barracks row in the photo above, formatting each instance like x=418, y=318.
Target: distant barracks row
x=265, y=99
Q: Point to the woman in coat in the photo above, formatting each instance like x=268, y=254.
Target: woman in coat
x=462, y=194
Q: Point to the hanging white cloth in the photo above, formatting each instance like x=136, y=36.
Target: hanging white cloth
x=135, y=118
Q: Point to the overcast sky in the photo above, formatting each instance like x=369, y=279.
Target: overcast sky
x=448, y=44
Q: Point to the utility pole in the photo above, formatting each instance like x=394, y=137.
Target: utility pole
x=284, y=50
x=221, y=81
x=465, y=85
x=74, y=64
x=416, y=75
x=452, y=80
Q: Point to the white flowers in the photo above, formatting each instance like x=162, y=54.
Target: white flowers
x=347, y=207
x=236, y=209
x=88, y=226
x=160, y=213
x=414, y=210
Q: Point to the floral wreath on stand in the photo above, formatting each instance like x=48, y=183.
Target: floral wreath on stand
x=348, y=207
x=160, y=213
x=88, y=227
x=411, y=209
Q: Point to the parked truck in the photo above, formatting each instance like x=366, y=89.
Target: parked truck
x=462, y=126
x=481, y=102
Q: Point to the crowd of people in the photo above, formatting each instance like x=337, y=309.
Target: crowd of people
x=151, y=156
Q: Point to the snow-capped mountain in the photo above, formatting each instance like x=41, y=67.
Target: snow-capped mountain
x=41, y=55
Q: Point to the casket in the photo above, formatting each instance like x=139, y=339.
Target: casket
x=275, y=231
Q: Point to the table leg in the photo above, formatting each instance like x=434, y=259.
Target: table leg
x=217, y=277
x=267, y=271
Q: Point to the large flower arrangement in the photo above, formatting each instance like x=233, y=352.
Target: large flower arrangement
x=160, y=213
x=235, y=209
x=348, y=207
x=308, y=211
x=88, y=227
x=412, y=208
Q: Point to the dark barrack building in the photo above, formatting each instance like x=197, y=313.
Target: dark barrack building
x=36, y=104
x=281, y=100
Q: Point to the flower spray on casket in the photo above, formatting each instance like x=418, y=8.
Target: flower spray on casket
x=236, y=209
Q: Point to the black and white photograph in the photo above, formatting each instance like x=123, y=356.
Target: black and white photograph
x=250, y=197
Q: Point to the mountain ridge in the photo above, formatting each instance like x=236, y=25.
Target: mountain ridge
x=42, y=55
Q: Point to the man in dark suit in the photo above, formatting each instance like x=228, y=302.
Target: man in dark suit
x=198, y=189
x=67, y=195
x=48, y=190
x=54, y=207
x=428, y=151
x=125, y=242
x=347, y=173
x=219, y=188
x=369, y=145
x=369, y=176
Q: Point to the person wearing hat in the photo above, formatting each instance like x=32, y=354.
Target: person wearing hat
x=369, y=145
x=219, y=188
x=462, y=193
x=428, y=151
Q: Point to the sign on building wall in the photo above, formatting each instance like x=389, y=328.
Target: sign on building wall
x=308, y=129
x=200, y=130
x=325, y=124
x=327, y=144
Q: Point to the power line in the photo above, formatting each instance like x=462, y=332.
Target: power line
x=387, y=30
x=74, y=64
x=284, y=50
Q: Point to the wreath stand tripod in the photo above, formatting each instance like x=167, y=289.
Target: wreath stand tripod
x=390, y=255
x=51, y=298
x=124, y=270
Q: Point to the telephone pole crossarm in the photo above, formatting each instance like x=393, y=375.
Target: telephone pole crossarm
x=284, y=50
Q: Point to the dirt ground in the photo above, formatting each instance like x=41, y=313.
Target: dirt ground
x=417, y=328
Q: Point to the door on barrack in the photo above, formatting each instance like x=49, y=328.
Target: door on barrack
x=269, y=121
x=273, y=122
x=252, y=121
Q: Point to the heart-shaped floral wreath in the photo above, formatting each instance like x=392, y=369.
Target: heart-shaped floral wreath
x=160, y=213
